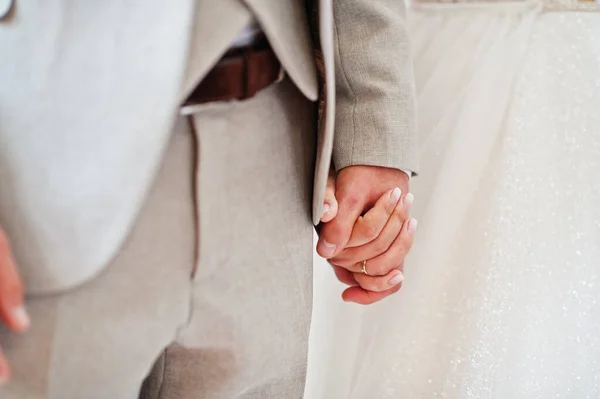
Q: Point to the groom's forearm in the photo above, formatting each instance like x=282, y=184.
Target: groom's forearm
x=375, y=105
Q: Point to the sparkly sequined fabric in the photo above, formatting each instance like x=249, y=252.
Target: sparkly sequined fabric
x=502, y=291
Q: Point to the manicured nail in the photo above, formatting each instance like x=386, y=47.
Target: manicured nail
x=412, y=226
x=328, y=249
x=396, y=279
x=408, y=201
x=395, y=195
x=325, y=209
x=21, y=318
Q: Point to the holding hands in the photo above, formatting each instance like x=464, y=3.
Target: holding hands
x=367, y=230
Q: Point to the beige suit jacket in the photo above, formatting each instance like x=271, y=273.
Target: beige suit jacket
x=89, y=92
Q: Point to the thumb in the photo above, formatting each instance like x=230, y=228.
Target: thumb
x=330, y=205
x=335, y=235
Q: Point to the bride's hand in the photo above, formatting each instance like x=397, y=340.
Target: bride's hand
x=12, y=310
x=381, y=236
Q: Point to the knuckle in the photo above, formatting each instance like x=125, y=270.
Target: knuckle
x=389, y=208
x=380, y=246
x=387, y=264
x=396, y=221
x=352, y=201
x=369, y=230
x=400, y=247
x=399, y=216
x=400, y=251
x=379, y=269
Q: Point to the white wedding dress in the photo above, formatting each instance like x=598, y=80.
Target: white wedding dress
x=501, y=297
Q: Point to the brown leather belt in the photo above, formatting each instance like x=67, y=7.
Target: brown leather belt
x=239, y=75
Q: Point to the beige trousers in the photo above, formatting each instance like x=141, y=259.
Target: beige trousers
x=230, y=207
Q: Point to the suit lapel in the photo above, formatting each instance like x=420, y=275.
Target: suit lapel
x=212, y=36
x=284, y=23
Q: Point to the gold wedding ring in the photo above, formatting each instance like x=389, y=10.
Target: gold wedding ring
x=363, y=267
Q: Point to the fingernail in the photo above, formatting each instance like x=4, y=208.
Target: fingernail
x=412, y=226
x=21, y=318
x=408, y=201
x=325, y=209
x=396, y=279
x=395, y=195
x=328, y=249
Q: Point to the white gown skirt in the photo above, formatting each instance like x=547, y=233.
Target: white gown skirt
x=502, y=291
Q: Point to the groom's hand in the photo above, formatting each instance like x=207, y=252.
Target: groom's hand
x=357, y=190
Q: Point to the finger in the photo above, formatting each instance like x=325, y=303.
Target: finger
x=364, y=297
x=379, y=283
x=391, y=259
x=335, y=234
x=12, y=309
x=368, y=227
x=330, y=205
x=5, y=371
x=344, y=276
x=350, y=257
